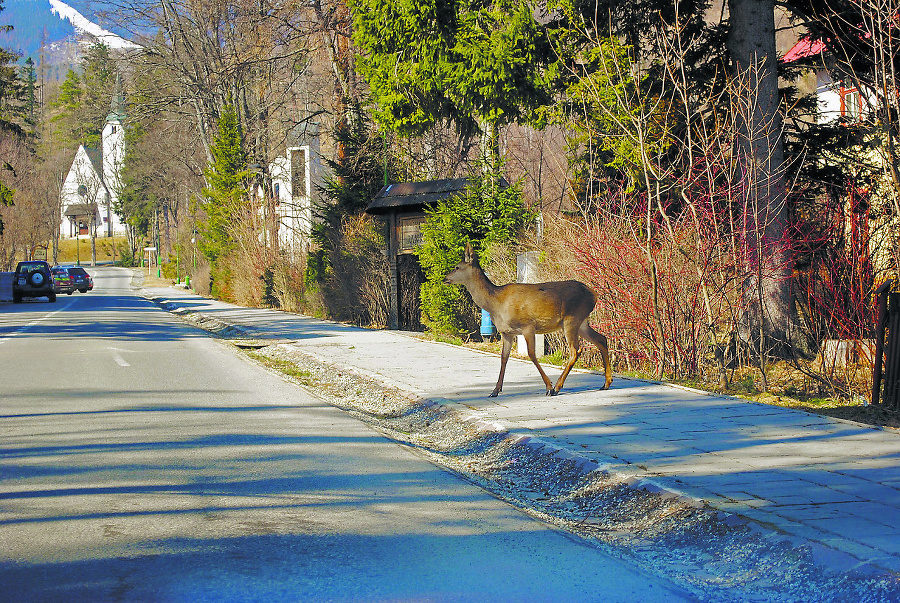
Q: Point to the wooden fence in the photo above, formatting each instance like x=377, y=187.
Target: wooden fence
x=886, y=367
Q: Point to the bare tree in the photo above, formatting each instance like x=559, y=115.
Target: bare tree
x=204, y=53
x=685, y=225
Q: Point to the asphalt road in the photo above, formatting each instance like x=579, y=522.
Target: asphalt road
x=144, y=461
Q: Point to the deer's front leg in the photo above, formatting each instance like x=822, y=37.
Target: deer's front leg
x=504, y=356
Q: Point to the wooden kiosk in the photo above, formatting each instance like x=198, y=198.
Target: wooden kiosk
x=402, y=206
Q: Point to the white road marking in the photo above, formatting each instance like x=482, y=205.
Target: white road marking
x=118, y=358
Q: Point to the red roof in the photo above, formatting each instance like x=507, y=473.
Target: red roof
x=803, y=49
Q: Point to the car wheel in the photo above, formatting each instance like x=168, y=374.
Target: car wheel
x=17, y=299
x=69, y=292
x=83, y=290
x=37, y=279
x=51, y=297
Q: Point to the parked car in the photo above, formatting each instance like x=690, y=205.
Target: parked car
x=81, y=280
x=32, y=279
x=62, y=282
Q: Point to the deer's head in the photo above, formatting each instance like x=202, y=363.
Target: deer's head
x=464, y=270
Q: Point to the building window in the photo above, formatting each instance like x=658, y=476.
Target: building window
x=276, y=189
x=851, y=104
x=298, y=173
x=113, y=129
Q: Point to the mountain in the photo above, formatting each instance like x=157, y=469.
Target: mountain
x=31, y=21
x=62, y=27
x=88, y=28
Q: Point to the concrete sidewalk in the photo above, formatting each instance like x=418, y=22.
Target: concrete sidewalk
x=830, y=483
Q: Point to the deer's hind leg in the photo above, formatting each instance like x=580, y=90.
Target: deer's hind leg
x=570, y=329
x=602, y=344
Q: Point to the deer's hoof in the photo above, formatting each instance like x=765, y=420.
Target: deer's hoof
x=552, y=392
x=493, y=394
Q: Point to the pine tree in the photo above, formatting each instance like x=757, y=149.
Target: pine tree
x=85, y=98
x=338, y=260
x=135, y=202
x=29, y=79
x=13, y=118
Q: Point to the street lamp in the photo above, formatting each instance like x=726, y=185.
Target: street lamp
x=187, y=279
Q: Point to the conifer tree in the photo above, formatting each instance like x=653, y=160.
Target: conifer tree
x=358, y=173
x=135, y=201
x=13, y=118
x=85, y=97
x=479, y=66
x=224, y=200
x=484, y=215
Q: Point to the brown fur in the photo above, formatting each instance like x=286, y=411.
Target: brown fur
x=529, y=309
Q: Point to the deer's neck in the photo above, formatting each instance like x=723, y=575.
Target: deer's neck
x=482, y=290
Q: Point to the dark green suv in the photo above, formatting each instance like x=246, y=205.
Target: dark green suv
x=32, y=279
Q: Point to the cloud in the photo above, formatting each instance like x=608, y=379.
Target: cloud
x=81, y=22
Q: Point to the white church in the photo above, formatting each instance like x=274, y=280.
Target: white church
x=92, y=186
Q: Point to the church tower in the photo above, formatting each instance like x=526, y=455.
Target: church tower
x=113, y=153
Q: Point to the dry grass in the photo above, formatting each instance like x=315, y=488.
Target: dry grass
x=155, y=281
x=68, y=253
x=787, y=386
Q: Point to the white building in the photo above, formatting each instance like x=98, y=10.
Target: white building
x=296, y=179
x=92, y=186
x=835, y=99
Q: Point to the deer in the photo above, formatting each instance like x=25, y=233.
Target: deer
x=531, y=308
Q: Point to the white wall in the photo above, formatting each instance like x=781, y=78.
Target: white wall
x=295, y=208
x=829, y=98
x=82, y=173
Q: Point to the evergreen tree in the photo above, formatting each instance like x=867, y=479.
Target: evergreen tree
x=358, y=173
x=224, y=200
x=29, y=78
x=136, y=201
x=859, y=41
x=479, y=66
x=485, y=215
x=13, y=118
x=85, y=97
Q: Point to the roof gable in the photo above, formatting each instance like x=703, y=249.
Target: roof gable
x=415, y=195
x=86, y=169
x=804, y=48
x=96, y=158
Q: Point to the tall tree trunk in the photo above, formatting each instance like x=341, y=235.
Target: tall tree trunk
x=337, y=49
x=751, y=46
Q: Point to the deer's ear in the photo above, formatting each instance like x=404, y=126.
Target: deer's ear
x=470, y=254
